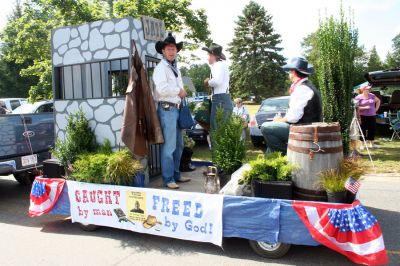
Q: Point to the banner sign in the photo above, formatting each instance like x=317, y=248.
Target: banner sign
x=183, y=215
x=153, y=29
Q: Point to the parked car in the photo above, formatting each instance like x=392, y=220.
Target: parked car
x=386, y=86
x=13, y=103
x=197, y=133
x=35, y=108
x=26, y=137
x=267, y=111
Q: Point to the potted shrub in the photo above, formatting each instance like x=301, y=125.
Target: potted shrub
x=122, y=169
x=90, y=168
x=186, y=159
x=228, y=149
x=354, y=169
x=333, y=180
x=270, y=176
x=79, y=139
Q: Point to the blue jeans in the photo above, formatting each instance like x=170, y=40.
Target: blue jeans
x=220, y=100
x=171, y=150
x=276, y=135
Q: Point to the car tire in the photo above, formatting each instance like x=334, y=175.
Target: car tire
x=89, y=227
x=270, y=251
x=24, y=178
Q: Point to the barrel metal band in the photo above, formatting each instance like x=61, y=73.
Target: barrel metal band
x=327, y=129
x=307, y=150
x=309, y=137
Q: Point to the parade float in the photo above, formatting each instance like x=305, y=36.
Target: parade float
x=92, y=65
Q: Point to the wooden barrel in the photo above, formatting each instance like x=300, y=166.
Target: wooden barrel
x=313, y=148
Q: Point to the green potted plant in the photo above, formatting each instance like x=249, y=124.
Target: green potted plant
x=333, y=183
x=186, y=159
x=333, y=180
x=354, y=169
x=79, y=139
x=90, y=168
x=228, y=149
x=122, y=169
x=270, y=176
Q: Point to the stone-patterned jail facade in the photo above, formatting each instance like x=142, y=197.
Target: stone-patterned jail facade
x=88, y=62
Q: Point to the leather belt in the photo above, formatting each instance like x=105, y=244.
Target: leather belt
x=176, y=105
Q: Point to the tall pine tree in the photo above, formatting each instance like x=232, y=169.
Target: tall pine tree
x=374, y=62
x=256, y=62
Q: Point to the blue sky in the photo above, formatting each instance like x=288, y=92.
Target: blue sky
x=377, y=20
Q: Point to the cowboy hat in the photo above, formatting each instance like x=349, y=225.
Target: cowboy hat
x=216, y=50
x=150, y=222
x=300, y=64
x=169, y=40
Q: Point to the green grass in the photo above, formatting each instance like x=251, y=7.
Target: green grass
x=386, y=158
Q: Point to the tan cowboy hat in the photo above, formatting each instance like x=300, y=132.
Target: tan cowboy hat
x=150, y=222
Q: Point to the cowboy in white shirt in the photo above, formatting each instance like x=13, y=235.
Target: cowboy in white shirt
x=219, y=82
x=304, y=106
x=168, y=93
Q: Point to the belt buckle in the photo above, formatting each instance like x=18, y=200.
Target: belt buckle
x=178, y=106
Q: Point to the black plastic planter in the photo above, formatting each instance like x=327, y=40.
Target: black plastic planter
x=338, y=197
x=350, y=197
x=272, y=189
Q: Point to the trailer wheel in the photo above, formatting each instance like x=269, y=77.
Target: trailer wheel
x=24, y=178
x=270, y=251
x=89, y=227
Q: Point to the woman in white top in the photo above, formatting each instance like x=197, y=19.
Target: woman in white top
x=241, y=111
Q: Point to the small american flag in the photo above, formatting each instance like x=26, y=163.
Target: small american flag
x=352, y=185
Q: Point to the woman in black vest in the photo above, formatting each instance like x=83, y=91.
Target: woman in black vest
x=304, y=106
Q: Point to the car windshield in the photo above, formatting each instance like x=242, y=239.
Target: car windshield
x=272, y=105
x=24, y=109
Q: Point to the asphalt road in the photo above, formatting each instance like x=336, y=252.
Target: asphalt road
x=50, y=240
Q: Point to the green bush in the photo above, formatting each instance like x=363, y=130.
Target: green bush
x=105, y=148
x=90, y=168
x=121, y=168
x=228, y=150
x=271, y=167
x=79, y=139
x=336, y=41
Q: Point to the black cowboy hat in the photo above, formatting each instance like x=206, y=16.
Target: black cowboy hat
x=169, y=40
x=216, y=50
x=300, y=64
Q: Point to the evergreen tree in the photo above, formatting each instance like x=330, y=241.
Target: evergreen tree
x=337, y=43
x=393, y=58
x=256, y=62
x=374, y=62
